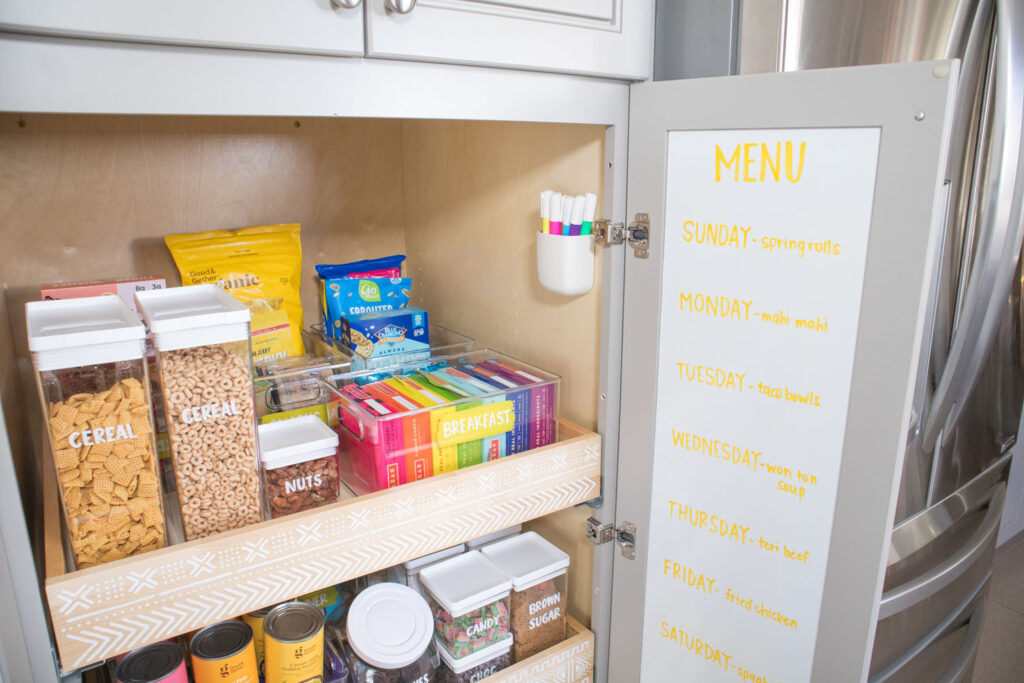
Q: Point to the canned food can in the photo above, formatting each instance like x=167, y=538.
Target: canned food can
x=224, y=653
x=156, y=663
x=294, y=643
x=255, y=621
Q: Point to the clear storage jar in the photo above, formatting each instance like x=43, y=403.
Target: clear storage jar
x=539, y=590
x=469, y=598
x=389, y=633
x=89, y=357
x=300, y=464
x=477, y=666
x=201, y=335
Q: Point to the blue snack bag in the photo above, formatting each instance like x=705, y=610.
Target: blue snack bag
x=345, y=298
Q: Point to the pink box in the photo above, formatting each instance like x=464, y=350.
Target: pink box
x=124, y=288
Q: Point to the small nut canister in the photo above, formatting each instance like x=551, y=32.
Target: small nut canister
x=224, y=652
x=300, y=464
x=293, y=644
x=156, y=663
x=539, y=590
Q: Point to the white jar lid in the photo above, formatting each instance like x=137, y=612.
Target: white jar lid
x=413, y=566
x=389, y=626
x=477, y=543
x=198, y=315
x=527, y=559
x=474, y=659
x=294, y=440
x=465, y=583
x=72, y=333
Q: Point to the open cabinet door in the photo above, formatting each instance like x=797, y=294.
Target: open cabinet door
x=770, y=344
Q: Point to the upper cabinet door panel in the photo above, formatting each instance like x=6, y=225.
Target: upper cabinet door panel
x=611, y=38
x=305, y=26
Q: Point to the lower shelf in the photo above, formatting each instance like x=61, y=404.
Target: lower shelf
x=113, y=608
x=571, y=661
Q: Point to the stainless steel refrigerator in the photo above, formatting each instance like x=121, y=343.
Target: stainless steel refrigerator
x=969, y=390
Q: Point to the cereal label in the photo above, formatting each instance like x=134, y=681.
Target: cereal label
x=92, y=437
x=210, y=411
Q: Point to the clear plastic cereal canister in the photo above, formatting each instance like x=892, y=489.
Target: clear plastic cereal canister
x=201, y=336
x=90, y=361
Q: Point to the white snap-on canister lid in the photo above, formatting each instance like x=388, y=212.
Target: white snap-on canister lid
x=198, y=315
x=465, y=583
x=477, y=543
x=413, y=566
x=527, y=559
x=294, y=440
x=72, y=333
x=474, y=659
x=389, y=626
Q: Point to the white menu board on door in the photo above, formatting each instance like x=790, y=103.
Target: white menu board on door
x=765, y=244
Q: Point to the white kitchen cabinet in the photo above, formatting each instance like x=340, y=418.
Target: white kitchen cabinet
x=303, y=26
x=610, y=38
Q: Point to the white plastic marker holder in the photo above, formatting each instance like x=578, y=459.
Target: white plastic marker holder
x=565, y=264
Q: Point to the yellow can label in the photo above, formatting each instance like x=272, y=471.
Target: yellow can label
x=240, y=668
x=294, y=662
x=256, y=624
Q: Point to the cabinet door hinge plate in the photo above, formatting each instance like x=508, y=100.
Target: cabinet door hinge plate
x=637, y=233
x=624, y=535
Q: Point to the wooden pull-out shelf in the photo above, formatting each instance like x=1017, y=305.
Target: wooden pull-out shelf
x=571, y=661
x=106, y=610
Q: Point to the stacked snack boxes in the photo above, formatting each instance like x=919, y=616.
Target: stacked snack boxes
x=416, y=420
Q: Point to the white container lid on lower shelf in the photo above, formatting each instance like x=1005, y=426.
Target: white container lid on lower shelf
x=295, y=440
x=475, y=659
x=414, y=566
x=465, y=583
x=527, y=559
x=73, y=333
x=389, y=626
x=198, y=315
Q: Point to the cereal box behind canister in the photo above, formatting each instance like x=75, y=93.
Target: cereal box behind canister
x=201, y=335
x=89, y=356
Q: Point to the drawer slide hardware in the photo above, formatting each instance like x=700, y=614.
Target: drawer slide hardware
x=637, y=234
x=624, y=535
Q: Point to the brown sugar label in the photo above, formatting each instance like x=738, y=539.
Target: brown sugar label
x=545, y=610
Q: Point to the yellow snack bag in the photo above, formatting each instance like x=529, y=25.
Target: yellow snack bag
x=259, y=266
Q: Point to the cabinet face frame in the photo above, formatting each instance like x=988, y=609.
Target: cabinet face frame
x=63, y=75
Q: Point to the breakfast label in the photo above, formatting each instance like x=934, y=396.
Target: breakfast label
x=765, y=244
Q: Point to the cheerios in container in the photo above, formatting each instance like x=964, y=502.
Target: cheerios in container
x=201, y=336
x=90, y=361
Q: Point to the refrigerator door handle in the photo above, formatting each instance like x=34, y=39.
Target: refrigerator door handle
x=1001, y=233
x=924, y=586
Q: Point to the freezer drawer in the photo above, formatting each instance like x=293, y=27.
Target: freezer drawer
x=925, y=591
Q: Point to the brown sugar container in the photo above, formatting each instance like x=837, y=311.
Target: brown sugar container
x=539, y=590
x=90, y=361
x=300, y=464
x=201, y=336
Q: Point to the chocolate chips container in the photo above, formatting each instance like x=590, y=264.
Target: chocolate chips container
x=90, y=361
x=539, y=590
x=300, y=464
x=469, y=598
x=201, y=336
x=477, y=666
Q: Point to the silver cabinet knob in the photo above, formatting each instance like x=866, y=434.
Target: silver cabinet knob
x=345, y=4
x=399, y=6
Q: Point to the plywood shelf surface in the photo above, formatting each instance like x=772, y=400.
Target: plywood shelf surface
x=106, y=610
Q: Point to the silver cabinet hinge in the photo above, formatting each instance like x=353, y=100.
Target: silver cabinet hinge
x=637, y=233
x=624, y=535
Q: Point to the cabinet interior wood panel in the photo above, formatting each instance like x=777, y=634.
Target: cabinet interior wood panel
x=91, y=197
x=472, y=209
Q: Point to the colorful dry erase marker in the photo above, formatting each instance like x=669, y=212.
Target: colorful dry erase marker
x=589, y=213
x=577, y=214
x=545, y=210
x=566, y=213
x=555, y=213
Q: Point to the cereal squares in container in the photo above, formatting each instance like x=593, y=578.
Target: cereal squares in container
x=201, y=336
x=89, y=356
x=539, y=590
x=468, y=595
